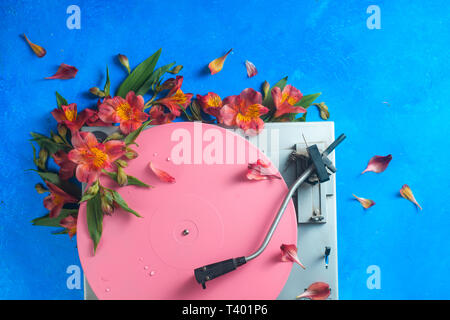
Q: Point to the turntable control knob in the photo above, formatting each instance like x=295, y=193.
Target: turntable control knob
x=185, y=232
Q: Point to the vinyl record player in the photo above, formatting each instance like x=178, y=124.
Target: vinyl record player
x=212, y=214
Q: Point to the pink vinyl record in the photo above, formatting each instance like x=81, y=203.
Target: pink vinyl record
x=225, y=215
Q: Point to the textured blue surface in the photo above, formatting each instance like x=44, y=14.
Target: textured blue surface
x=322, y=45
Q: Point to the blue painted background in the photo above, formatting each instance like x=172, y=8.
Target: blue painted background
x=322, y=45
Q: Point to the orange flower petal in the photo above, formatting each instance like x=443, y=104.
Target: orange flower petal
x=38, y=50
x=316, y=291
x=217, y=64
x=162, y=175
x=64, y=72
x=406, y=193
x=251, y=69
x=366, y=203
x=289, y=253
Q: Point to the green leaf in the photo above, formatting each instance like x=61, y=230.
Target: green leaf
x=268, y=101
x=132, y=136
x=46, y=221
x=307, y=100
x=60, y=101
x=132, y=181
x=47, y=143
x=34, y=155
x=107, y=84
x=154, y=78
x=53, y=177
x=139, y=75
x=119, y=200
x=94, y=217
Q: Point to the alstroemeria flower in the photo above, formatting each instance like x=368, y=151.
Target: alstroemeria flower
x=68, y=116
x=289, y=253
x=378, y=163
x=57, y=199
x=217, y=64
x=162, y=175
x=64, y=72
x=244, y=111
x=92, y=157
x=176, y=98
x=251, y=69
x=407, y=193
x=316, y=291
x=128, y=112
x=366, y=203
x=70, y=223
x=158, y=115
x=286, y=99
x=66, y=167
x=211, y=104
x=260, y=171
x=38, y=50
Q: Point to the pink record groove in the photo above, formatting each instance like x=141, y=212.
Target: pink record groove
x=226, y=216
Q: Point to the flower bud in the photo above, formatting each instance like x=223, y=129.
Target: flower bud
x=92, y=190
x=62, y=130
x=130, y=154
x=122, y=163
x=176, y=69
x=40, y=188
x=42, y=160
x=122, y=178
x=57, y=139
x=97, y=92
x=124, y=61
x=265, y=88
x=115, y=136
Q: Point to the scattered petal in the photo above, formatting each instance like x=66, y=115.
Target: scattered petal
x=124, y=61
x=289, y=253
x=251, y=69
x=366, y=203
x=260, y=171
x=162, y=175
x=64, y=72
x=406, y=193
x=378, y=164
x=38, y=50
x=316, y=291
x=217, y=64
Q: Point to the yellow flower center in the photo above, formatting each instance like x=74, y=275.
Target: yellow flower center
x=214, y=102
x=70, y=114
x=124, y=111
x=57, y=199
x=251, y=113
x=291, y=100
x=98, y=157
x=179, y=97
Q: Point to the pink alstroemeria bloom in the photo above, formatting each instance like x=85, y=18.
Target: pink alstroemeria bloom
x=286, y=99
x=176, y=98
x=158, y=115
x=69, y=116
x=70, y=223
x=211, y=104
x=92, y=157
x=244, y=111
x=57, y=199
x=129, y=112
x=66, y=167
